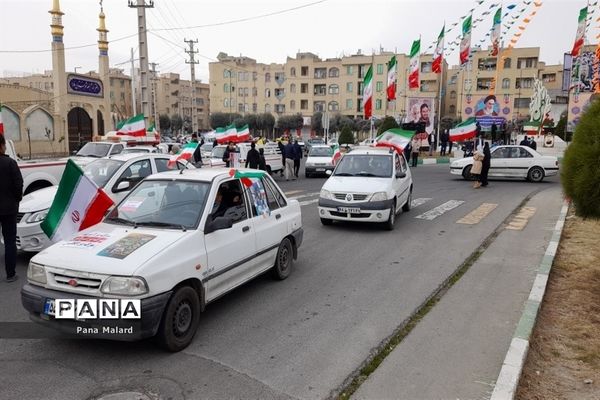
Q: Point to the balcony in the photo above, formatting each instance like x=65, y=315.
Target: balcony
x=320, y=90
x=320, y=73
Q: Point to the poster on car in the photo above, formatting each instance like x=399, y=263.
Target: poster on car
x=259, y=197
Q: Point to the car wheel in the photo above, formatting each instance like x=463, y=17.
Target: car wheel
x=180, y=320
x=467, y=173
x=283, y=262
x=406, y=207
x=535, y=174
x=389, y=224
x=326, y=221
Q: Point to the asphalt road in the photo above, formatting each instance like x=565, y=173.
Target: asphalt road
x=352, y=285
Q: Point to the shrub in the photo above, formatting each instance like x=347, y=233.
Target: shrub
x=580, y=174
x=388, y=123
x=346, y=136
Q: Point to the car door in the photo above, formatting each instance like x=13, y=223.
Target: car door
x=132, y=173
x=231, y=252
x=402, y=185
x=499, y=161
x=517, y=165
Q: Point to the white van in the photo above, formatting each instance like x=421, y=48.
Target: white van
x=272, y=156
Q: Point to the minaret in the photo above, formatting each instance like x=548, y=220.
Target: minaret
x=103, y=70
x=59, y=77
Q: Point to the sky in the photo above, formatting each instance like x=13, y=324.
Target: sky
x=328, y=28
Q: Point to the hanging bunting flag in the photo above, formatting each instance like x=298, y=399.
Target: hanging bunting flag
x=521, y=27
x=367, y=100
x=391, y=79
x=439, y=53
x=537, y=4
x=1, y=123
x=510, y=7
x=496, y=31
x=465, y=44
x=413, y=77
x=580, y=37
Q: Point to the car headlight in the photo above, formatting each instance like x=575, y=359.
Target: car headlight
x=37, y=216
x=123, y=285
x=379, y=196
x=326, y=194
x=36, y=273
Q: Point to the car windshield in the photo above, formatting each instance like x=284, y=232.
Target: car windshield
x=365, y=165
x=168, y=204
x=218, y=152
x=100, y=171
x=316, y=141
x=94, y=150
x=320, y=152
x=134, y=150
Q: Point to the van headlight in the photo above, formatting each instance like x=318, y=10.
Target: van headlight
x=37, y=216
x=124, y=285
x=36, y=273
x=379, y=196
x=326, y=194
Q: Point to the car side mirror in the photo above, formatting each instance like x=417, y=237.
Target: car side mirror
x=400, y=175
x=122, y=186
x=328, y=172
x=218, y=224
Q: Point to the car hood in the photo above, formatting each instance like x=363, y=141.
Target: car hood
x=462, y=162
x=109, y=249
x=357, y=184
x=82, y=161
x=39, y=200
x=318, y=160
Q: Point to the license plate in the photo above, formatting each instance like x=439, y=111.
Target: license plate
x=320, y=169
x=349, y=210
x=49, y=307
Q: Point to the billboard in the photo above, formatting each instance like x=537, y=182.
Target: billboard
x=421, y=110
x=487, y=110
x=578, y=104
x=582, y=87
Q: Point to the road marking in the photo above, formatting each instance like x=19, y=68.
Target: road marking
x=420, y=201
x=307, y=202
x=475, y=216
x=520, y=220
x=305, y=196
x=440, y=210
x=291, y=192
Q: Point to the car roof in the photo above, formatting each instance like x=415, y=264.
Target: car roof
x=322, y=146
x=129, y=156
x=370, y=150
x=140, y=147
x=200, y=174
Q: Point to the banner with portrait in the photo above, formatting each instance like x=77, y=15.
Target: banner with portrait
x=578, y=104
x=421, y=110
x=488, y=110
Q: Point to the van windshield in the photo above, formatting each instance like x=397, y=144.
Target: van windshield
x=365, y=165
x=94, y=150
x=320, y=152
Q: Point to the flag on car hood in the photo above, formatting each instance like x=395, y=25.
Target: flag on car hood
x=186, y=153
x=396, y=138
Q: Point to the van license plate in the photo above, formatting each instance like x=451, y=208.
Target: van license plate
x=349, y=210
x=49, y=307
x=320, y=169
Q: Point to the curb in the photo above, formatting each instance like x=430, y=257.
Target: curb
x=512, y=367
x=431, y=161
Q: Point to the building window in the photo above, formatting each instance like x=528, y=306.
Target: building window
x=293, y=88
x=378, y=104
x=560, y=100
x=304, y=71
x=467, y=85
x=320, y=90
x=548, y=78
x=254, y=76
x=428, y=86
x=349, y=104
x=379, y=69
x=452, y=109
x=226, y=73
x=379, y=86
x=453, y=95
x=267, y=108
x=333, y=106
x=254, y=107
x=254, y=92
x=304, y=88
x=320, y=73
x=293, y=105
x=426, y=66
x=505, y=83
x=112, y=82
x=279, y=92
x=122, y=95
x=292, y=71
x=334, y=89
x=319, y=106
x=453, y=80
x=226, y=103
x=304, y=104
x=349, y=87
x=507, y=63
x=240, y=107
x=334, y=72
x=241, y=92
x=528, y=62
x=350, y=70
x=522, y=102
x=486, y=64
x=279, y=77
x=267, y=77
x=523, y=83
x=267, y=92
x=279, y=108
x=226, y=88
x=484, y=83
x=112, y=95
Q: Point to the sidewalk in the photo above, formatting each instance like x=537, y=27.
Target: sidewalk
x=457, y=350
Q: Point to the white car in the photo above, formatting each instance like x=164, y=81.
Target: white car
x=271, y=150
x=367, y=185
x=511, y=162
x=176, y=243
x=367, y=142
x=116, y=175
x=161, y=148
x=319, y=160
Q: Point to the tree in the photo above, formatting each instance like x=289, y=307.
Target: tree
x=221, y=120
x=561, y=127
x=176, y=122
x=316, y=122
x=580, y=176
x=346, y=136
x=164, y=121
x=386, y=124
x=267, y=121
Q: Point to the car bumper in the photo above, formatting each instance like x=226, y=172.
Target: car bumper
x=551, y=171
x=34, y=298
x=372, y=211
x=30, y=237
x=318, y=169
x=456, y=170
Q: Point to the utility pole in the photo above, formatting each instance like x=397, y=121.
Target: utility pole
x=154, y=109
x=191, y=52
x=143, y=45
x=133, y=101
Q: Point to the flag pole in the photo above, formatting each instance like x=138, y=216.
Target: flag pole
x=439, y=110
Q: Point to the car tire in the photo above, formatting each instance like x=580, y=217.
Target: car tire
x=535, y=174
x=389, y=224
x=326, y=221
x=284, y=260
x=406, y=207
x=180, y=320
x=466, y=174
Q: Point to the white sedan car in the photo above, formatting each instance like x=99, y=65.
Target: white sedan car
x=319, y=160
x=117, y=175
x=511, y=162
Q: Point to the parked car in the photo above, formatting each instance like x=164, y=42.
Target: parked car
x=319, y=160
x=312, y=142
x=206, y=150
x=177, y=242
x=511, y=162
x=272, y=156
x=117, y=175
x=160, y=149
x=367, y=185
x=100, y=149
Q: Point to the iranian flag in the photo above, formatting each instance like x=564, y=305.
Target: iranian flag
x=245, y=176
x=185, y=154
x=227, y=134
x=134, y=126
x=367, y=99
x=243, y=133
x=580, y=38
x=464, y=131
x=465, y=43
x=337, y=154
x=396, y=138
x=438, y=55
x=79, y=203
x=496, y=31
x=413, y=72
x=531, y=128
x=1, y=123
x=391, y=79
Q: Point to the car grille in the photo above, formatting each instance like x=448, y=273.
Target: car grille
x=339, y=214
x=20, y=217
x=89, y=283
x=355, y=196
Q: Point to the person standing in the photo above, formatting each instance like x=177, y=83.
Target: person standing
x=197, y=152
x=11, y=193
x=449, y=144
x=289, y=161
x=432, y=143
x=416, y=146
x=228, y=155
x=524, y=142
x=253, y=157
x=533, y=144
x=494, y=131
x=262, y=163
x=485, y=165
x=282, y=150
x=297, y=157
x=407, y=151
x=444, y=142
x=476, y=168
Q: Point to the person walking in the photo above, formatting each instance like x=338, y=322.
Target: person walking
x=533, y=144
x=11, y=193
x=282, y=150
x=262, y=163
x=416, y=146
x=432, y=143
x=476, y=168
x=444, y=142
x=297, y=157
x=289, y=161
x=485, y=165
x=253, y=157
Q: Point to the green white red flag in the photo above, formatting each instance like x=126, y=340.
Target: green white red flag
x=580, y=37
x=1, y=123
x=227, y=134
x=79, y=203
x=337, y=154
x=243, y=133
x=134, y=126
x=396, y=138
x=367, y=99
x=245, y=176
x=465, y=43
x=438, y=55
x=413, y=72
x=185, y=154
x=464, y=131
x=496, y=32
x=391, y=79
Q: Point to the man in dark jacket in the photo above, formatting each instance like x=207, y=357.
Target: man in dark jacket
x=197, y=153
x=282, y=150
x=228, y=156
x=297, y=157
x=289, y=161
x=253, y=157
x=11, y=192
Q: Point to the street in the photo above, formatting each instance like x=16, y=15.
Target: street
x=351, y=287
